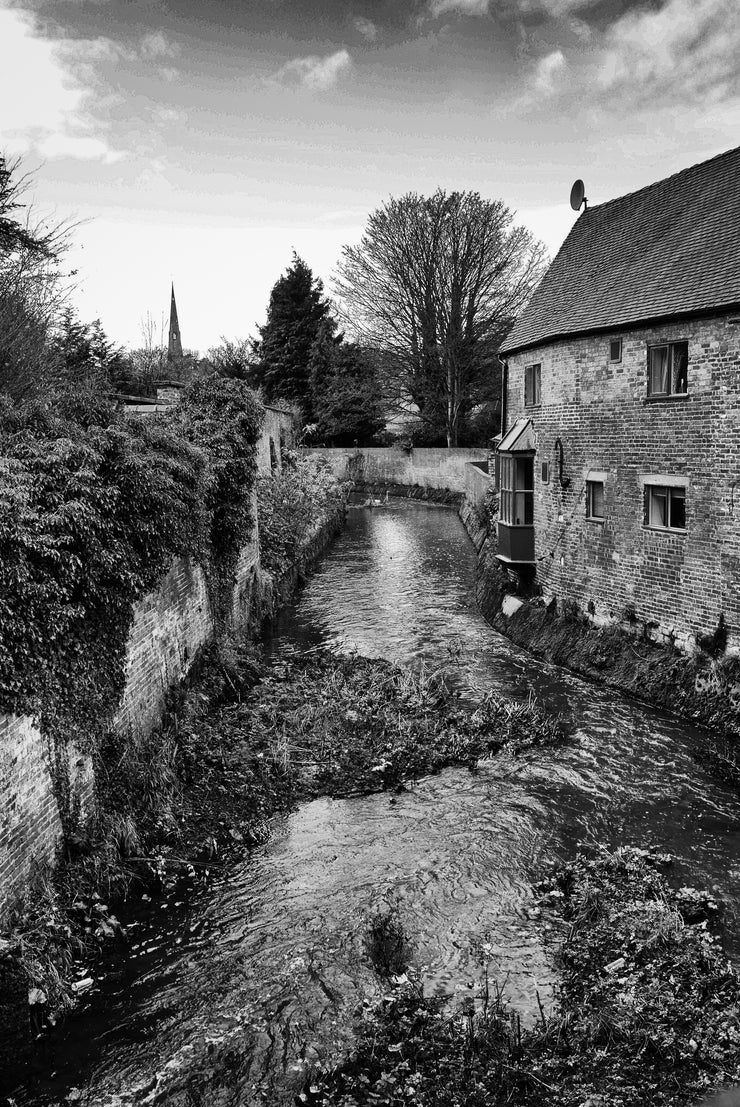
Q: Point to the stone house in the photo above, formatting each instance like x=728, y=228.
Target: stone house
x=619, y=465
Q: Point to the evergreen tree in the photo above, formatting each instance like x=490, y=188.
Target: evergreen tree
x=345, y=392
x=296, y=311
x=83, y=353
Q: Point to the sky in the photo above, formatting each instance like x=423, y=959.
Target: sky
x=202, y=141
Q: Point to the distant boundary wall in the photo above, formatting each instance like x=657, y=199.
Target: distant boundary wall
x=170, y=625
x=425, y=467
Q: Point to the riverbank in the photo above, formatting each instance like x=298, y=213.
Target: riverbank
x=244, y=739
x=381, y=490
x=161, y=811
x=648, y=1010
x=703, y=687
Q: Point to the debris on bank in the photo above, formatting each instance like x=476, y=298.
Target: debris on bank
x=244, y=738
x=648, y=1011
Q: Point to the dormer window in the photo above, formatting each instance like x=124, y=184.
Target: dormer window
x=668, y=369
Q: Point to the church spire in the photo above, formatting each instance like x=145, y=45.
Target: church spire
x=174, y=346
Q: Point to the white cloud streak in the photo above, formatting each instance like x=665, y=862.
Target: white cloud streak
x=313, y=72
x=460, y=7
x=43, y=100
x=548, y=70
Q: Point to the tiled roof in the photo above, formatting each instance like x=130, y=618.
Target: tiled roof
x=672, y=248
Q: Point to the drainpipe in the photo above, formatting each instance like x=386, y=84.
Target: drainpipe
x=504, y=395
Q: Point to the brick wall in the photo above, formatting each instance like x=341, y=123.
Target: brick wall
x=170, y=625
x=606, y=423
x=429, y=467
x=30, y=824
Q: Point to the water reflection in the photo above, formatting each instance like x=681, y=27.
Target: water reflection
x=271, y=957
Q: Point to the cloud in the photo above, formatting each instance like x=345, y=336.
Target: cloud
x=547, y=71
x=44, y=97
x=157, y=45
x=367, y=28
x=679, y=58
x=462, y=7
x=685, y=50
x=314, y=72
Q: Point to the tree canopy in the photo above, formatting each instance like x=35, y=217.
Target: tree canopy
x=295, y=313
x=345, y=395
x=434, y=285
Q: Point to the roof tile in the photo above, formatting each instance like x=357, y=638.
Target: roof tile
x=672, y=248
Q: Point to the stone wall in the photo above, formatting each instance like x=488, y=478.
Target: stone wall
x=682, y=582
x=427, y=467
x=478, y=484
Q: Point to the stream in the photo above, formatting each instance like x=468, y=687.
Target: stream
x=259, y=969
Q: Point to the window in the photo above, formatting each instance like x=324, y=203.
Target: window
x=594, y=499
x=545, y=472
x=517, y=490
x=668, y=369
x=615, y=349
x=665, y=507
x=532, y=384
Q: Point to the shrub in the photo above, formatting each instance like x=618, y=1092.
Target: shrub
x=93, y=508
x=291, y=501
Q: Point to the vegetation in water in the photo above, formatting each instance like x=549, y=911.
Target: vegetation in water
x=244, y=738
x=648, y=1011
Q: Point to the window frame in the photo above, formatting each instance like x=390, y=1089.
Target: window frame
x=533, y=384
x=591, y=516
x=673, y=491
x=671, y=370
x=511, y=492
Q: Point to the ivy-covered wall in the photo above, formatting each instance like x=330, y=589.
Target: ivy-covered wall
x=124, y=543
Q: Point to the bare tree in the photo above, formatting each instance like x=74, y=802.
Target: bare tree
x=434, y=285
x=34, y=288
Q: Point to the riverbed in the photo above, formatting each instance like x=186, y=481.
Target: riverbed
x=258, y=970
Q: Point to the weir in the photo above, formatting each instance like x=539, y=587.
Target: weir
x=257, y=972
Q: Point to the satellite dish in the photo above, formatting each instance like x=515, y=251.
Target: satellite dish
x=578, y=195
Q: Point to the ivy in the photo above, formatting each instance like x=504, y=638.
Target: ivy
x=94, y=506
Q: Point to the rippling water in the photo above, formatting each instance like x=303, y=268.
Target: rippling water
x=269, y=958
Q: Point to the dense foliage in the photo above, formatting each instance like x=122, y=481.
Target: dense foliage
x=292, y=501
x=648, y=1012
x=345, y=393
x=93, y=508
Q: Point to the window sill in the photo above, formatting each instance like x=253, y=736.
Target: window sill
x=681, y=532
x=600, y=520
x=666, y=398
